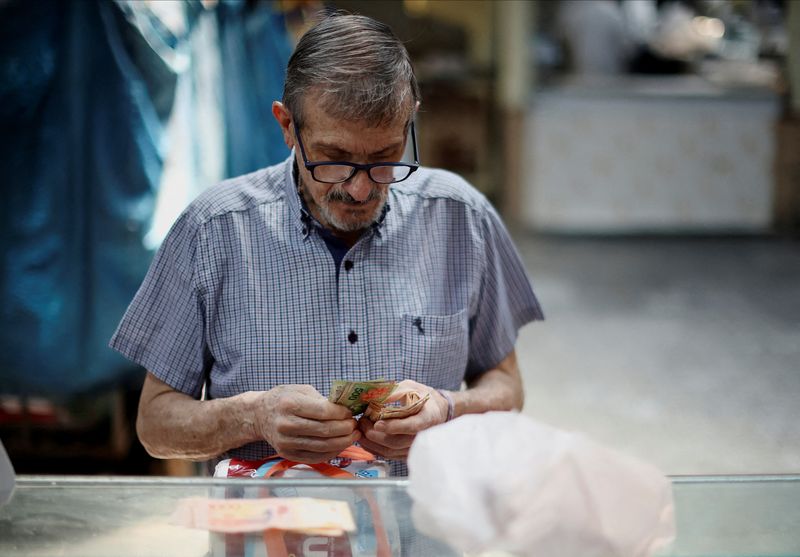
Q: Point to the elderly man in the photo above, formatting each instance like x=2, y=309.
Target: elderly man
x=347, y=261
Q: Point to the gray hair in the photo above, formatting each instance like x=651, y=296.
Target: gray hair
x=358, y=67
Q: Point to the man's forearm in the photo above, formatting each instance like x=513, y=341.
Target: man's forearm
x=497, y=389
x=174, y=425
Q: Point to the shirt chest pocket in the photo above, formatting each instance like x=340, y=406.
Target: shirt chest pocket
x=435, y=348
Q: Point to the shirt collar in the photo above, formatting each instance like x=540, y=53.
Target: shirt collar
x=298, y=210
x=299, y=217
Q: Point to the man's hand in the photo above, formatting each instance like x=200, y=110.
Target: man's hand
x=302, y=425
x=392, y=438
x=299, y=422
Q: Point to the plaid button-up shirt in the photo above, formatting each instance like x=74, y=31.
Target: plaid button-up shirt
x=243, y=293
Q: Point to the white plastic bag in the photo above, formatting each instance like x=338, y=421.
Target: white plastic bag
x=501, y=481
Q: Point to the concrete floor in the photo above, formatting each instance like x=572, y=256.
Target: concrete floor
x=682, y=351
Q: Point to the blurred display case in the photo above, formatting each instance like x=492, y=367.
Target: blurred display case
x=658, y=117
x=732, y=516
x=650, y=154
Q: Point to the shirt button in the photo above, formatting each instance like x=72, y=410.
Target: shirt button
x=348, y=265
x=352, y=337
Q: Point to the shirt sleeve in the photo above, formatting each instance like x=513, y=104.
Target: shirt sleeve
x=506, y=300
x=163, y=329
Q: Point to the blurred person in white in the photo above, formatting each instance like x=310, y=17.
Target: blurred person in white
x=343, y=262
x=597, y=36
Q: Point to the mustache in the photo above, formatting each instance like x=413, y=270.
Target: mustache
x=337, y=194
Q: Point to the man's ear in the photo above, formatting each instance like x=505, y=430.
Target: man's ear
x=284, y=119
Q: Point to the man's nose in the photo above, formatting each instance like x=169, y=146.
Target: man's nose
x=359, y=186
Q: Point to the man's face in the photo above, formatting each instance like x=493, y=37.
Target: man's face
x=353, y=205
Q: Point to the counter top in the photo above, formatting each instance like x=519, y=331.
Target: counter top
x=753, y=516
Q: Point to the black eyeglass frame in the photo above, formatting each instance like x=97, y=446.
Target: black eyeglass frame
x=310, y=166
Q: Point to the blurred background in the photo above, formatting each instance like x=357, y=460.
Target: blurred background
x=645, y=155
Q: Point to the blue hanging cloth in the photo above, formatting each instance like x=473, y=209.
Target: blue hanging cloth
x=85, y=94
x=255, y=49
x=81, y=156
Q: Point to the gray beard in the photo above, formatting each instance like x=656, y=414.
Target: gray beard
x=335, y=194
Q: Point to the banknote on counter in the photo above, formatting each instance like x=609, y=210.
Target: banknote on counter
x=357, y=395
x=321, y=517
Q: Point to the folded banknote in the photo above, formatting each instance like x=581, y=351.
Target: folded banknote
x=410, y=404
x=357, y=395
x=293, y=514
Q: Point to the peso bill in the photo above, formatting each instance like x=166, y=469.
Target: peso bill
x=357, y=395
x=411, y=403
x=294, y=514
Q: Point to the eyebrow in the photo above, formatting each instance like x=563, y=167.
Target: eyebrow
x=331, y=148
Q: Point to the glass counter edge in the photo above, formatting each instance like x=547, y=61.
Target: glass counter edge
x=161, y=481
x=23, y=481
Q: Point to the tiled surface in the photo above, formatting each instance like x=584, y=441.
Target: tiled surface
x=685, y=352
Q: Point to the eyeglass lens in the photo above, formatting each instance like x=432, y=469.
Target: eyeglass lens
x=335, y=173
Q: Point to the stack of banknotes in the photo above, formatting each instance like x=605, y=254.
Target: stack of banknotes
x=357, y=395
x=411, y=404
x=369, y=398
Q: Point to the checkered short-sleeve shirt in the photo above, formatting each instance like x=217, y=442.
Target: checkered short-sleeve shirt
x=243, y=293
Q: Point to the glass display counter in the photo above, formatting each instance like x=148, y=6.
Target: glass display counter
x=753, y=516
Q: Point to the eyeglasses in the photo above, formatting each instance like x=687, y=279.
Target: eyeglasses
x=379, y=172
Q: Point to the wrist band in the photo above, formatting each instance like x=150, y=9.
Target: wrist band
x=451, y=406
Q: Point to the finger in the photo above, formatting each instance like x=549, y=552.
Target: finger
x=405, y=387
x=390, y=441
x=303, y=400
x=319, y=445
x=385, y=452
x=320, y=408
x=295, y=426
x=405, y=426
x=365, y=424
x=375, y=448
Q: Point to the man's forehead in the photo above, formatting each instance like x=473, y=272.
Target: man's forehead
x=335, y=127
x=322, y=113
x=331, y=131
